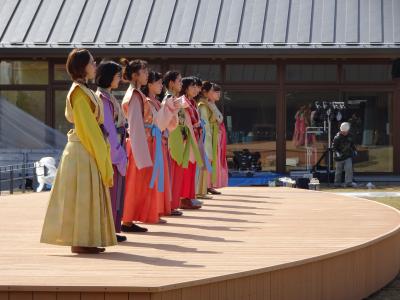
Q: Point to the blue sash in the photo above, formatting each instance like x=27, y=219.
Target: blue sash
x=203, y=138
x=158, y=168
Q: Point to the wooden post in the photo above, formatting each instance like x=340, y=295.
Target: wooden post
x=396, y=126
x=281, y=121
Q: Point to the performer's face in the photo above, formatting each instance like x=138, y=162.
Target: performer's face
x=177, y=84
x=192, y=91
x=155, y=88
x=217, y=95
x=142, y=76
x=213, y=95
x=90, y=69
x=198, y=88
x=115, y=81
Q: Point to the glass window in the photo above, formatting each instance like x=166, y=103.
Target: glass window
x=204, y=71
x=301, y=114
x=60, y=122
x=32, y=102
x=369, y=114
x=60, y=73
x=261, y=72
x=250, y=124
x=23, y=72
x=367, y=72
x=311, y=72
x=22, y=122
x=155, y=67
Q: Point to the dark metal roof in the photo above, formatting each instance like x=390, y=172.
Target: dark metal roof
x=200, y=24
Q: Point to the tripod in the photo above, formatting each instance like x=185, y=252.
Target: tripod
x=309, y=150
x=328, y=111
x=327, y=153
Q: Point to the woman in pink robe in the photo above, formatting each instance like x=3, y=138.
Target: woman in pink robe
x=146, y=170
x=138, y=205
x=222, y=165
x=165, y=117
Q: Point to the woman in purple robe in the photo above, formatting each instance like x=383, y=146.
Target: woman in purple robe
x=108, y=76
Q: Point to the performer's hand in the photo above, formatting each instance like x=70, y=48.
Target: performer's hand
x=183, y=103
x=177, y=102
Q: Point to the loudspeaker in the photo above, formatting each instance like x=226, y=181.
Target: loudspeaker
x=302, y=183
x=396, y=68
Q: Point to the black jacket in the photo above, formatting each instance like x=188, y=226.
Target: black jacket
x=343, y=146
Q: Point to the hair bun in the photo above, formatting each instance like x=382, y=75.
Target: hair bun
x=207, y=86
x=124, y=61
x=126, y=69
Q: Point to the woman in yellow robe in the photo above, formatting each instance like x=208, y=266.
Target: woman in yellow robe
x=79, y=212
x=209, y=173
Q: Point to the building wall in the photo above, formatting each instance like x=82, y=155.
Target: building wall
x=260, y=100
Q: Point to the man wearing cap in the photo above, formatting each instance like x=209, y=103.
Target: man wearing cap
x=344, y=151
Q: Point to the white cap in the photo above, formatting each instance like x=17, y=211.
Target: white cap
x=345, y=126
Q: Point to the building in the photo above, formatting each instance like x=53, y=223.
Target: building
x=273, y=58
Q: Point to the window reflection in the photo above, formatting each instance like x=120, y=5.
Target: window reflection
x=311, y=72
x=371, y=73
x=370, y=118
x=261, y=72
x=23, y=72
x=204, y=71
x=32, y=102
x=369, y=114
x=250, y=124
x=60, y=73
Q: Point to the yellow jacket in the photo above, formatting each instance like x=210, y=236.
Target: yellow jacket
x=88, y=130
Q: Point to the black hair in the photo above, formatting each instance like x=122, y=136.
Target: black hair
x=170, y=76
x=216, y=87
x=197, y=81
x=105, y=73
x=186, y=83
x=208, y=85
x=132, y=67
x=76, y=64
x=153, y=77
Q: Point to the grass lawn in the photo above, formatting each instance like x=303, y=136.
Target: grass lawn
x=362, y=189
x=391, y=201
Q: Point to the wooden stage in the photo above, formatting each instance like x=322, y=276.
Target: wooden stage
x=249, y=243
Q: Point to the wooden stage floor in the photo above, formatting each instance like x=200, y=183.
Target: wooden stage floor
x=248, y=243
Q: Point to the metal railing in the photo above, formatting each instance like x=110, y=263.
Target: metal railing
x=18, y=176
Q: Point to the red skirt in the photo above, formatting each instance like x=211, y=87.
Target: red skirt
x=141, y=202
x=164, y=199
x=188, y=184
x=176, y=184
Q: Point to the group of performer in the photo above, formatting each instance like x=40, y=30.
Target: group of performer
x=155, y=154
